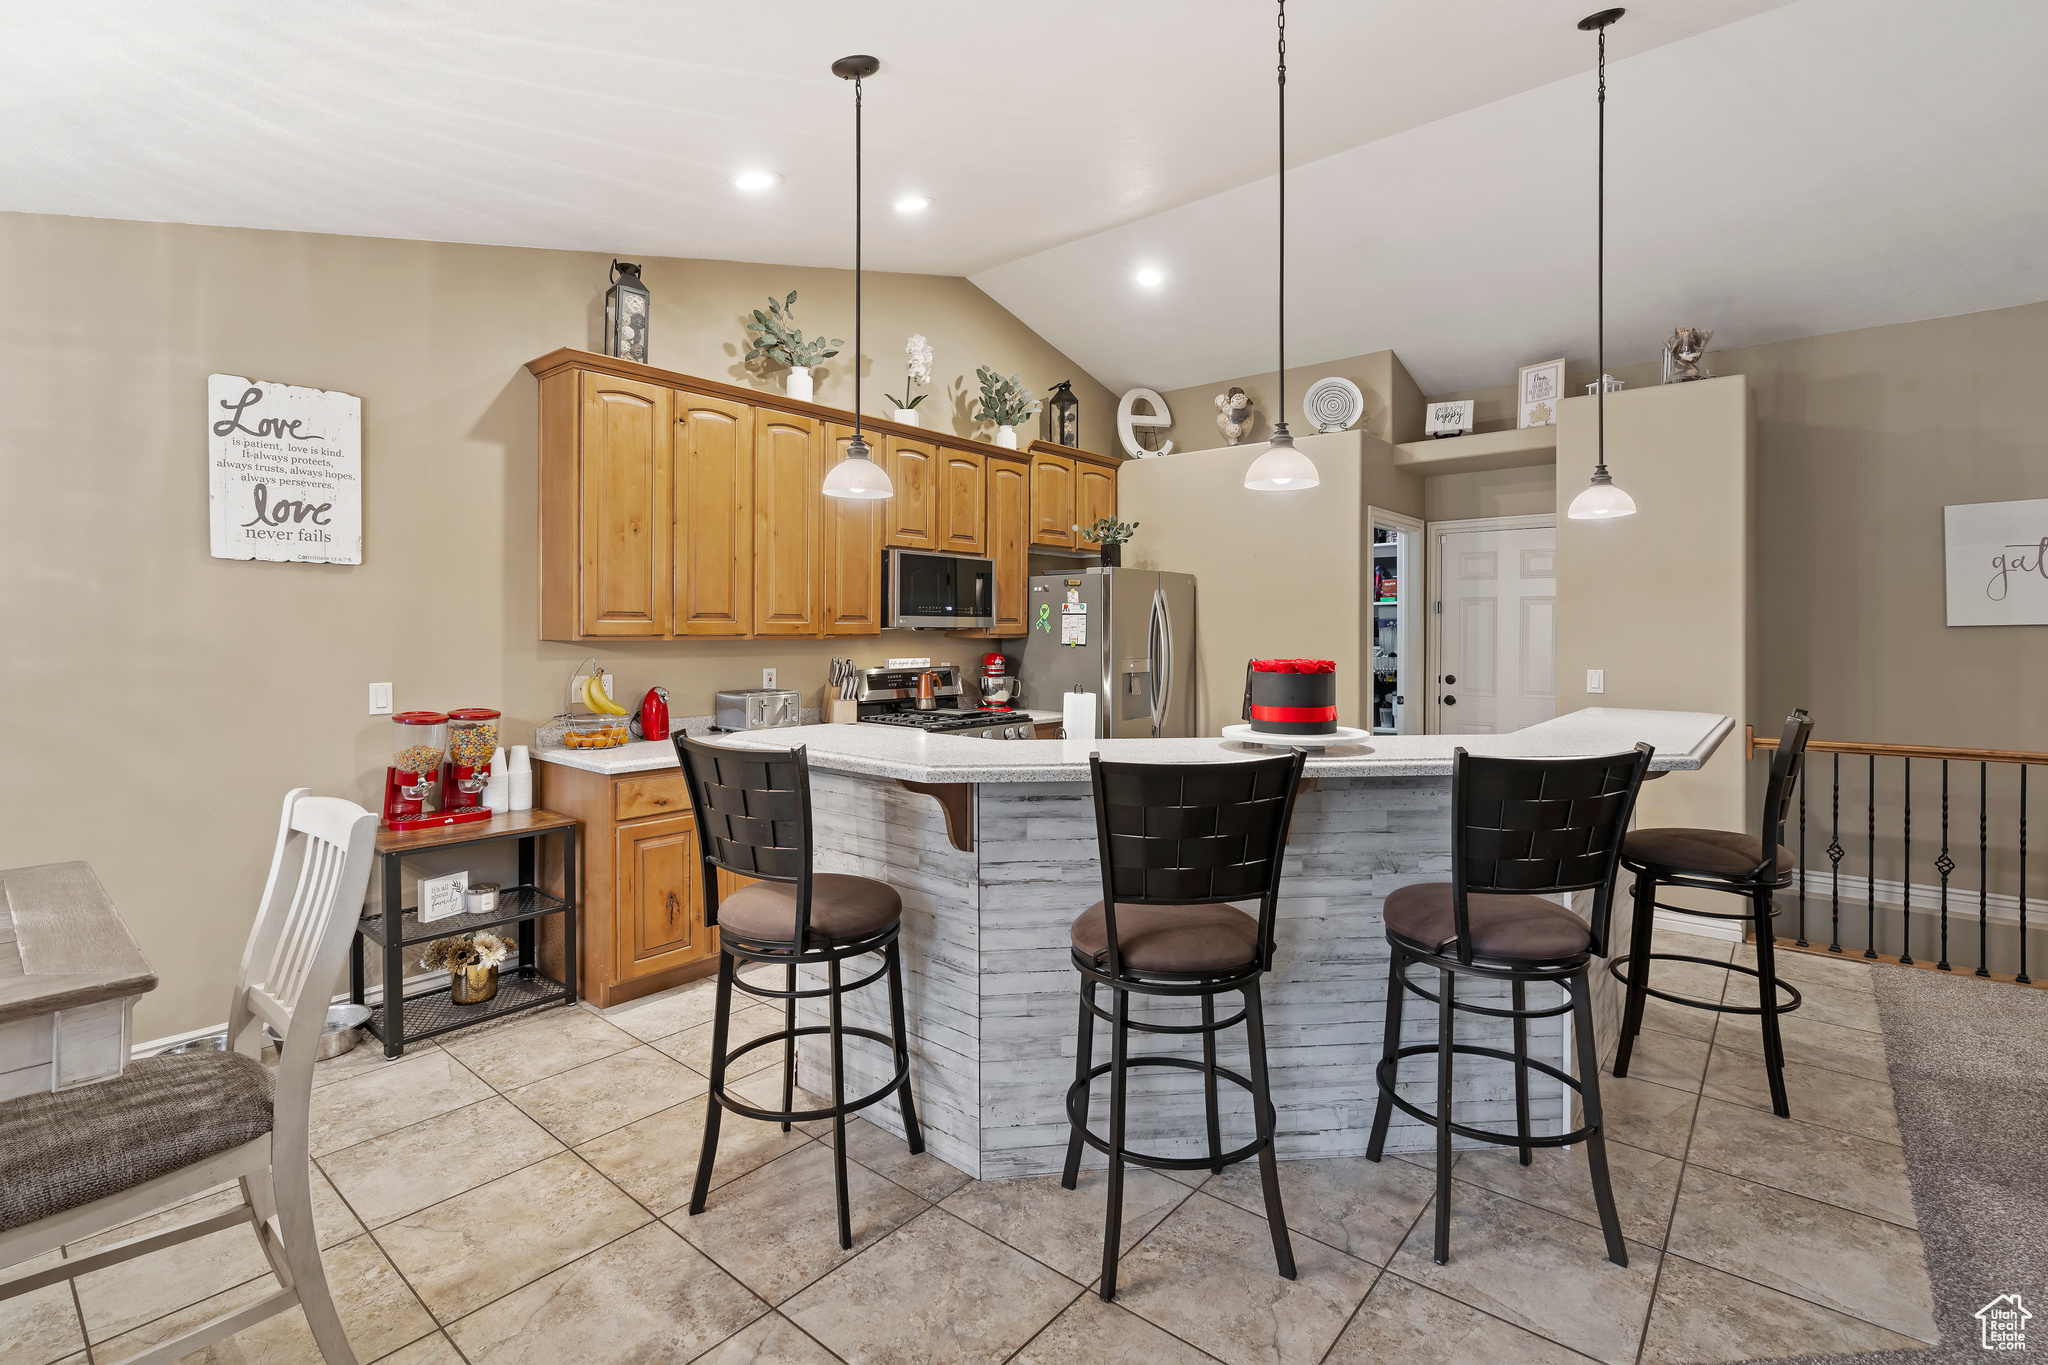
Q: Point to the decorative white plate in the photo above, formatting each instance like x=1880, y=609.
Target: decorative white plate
x=1333, y=404
x=1266, y=739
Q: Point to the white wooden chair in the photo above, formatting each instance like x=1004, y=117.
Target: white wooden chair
x=78, y=1162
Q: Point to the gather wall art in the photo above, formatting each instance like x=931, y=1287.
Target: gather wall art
x=284, y=472
x=1997, y=561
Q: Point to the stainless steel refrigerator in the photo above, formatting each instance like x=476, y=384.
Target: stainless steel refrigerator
x=1126, y=635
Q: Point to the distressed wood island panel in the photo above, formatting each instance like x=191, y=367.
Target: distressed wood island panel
x=992, y=996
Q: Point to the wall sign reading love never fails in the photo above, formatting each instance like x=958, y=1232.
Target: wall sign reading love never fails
x=284, y=472
x=1997, y=563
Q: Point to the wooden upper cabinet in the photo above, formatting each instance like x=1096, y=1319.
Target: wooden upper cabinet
x=624, y=442
x=714, y=517
x=1094, y=499
x=913, y=515
x=1052, y=500
x=1009, y=543
x=853, y=553
x=789, y=550
x=963, y=502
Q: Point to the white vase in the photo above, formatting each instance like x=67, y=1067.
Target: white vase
x=1006, y=437
x=907, y=416
x=799, y=383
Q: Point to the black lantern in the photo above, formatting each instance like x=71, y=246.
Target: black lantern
x=1063, y=415
x=627, y=305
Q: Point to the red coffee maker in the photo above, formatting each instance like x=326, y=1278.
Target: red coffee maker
x=472, y=740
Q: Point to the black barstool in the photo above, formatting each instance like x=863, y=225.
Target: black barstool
x=1176, y=842
x=1521, y=829
x=754, y=819
x=1752, y=866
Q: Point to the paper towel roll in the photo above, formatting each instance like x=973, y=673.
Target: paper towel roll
x=1077, y=714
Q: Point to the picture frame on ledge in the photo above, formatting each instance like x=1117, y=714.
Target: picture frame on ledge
x=1444, y=419
x=1538, y=388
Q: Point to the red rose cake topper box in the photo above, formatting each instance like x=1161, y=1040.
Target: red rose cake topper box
x=1291, y=696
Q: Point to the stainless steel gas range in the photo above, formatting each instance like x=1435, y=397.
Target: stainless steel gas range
x=928, y=699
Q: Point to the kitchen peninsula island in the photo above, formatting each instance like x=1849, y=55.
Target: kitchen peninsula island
x=992, y=845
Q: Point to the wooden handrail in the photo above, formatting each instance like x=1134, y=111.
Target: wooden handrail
x=1835, y=746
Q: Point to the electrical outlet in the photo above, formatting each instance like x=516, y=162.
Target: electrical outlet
x=1596, y=680
x=380, y=699
x=767, y=677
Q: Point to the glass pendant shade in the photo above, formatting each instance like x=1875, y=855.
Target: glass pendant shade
x=857, y=476
x=1280, y=468
x=1601, y=500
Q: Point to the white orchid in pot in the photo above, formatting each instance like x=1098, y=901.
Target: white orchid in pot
x=1007, y=403
x=918, y=372
x=778, y=338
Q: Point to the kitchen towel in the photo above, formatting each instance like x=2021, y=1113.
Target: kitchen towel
x=1077, y=714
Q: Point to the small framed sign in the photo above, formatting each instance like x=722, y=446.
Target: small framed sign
x=1448, y=419
x=1997, y=561
x=1538, y=387
x=284, y=472
x=443, y=897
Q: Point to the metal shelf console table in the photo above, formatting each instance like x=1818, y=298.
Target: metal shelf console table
x=521, y=987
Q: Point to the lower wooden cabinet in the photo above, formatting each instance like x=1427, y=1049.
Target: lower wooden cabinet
x=641, y=925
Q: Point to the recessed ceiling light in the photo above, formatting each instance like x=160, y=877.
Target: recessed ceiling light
x=913, y=203
x=754, y=180
x=1151, y=276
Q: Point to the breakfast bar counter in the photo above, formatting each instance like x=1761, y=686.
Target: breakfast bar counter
x=992, y=845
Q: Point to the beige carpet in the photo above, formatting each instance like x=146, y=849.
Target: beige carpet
x=1969, y=1073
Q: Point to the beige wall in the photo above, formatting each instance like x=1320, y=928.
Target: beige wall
x=1393, y=403
x=162, y=701
x=1492, y=493
x=1277, y=574
x=1660, y=601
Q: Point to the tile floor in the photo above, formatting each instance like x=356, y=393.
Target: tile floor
x=516, y=1194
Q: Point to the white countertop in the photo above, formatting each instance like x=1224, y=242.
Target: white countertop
x=1684, y=741
x=646, y=755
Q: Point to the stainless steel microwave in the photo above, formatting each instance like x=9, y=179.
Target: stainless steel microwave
x=926, y=591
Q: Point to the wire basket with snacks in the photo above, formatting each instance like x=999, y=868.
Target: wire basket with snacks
x=593, y=720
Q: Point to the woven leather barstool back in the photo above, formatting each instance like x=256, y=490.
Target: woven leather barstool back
x=753, y=812
x=1522, y=830
x=1752, y=867
x=1527, y=828
x=1178, y=843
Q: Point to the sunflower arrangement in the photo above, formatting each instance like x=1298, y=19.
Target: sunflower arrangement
x=480, y=949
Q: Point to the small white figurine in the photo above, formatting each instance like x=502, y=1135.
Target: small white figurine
x=1233, y=415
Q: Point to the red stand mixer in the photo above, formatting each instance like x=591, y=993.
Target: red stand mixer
x=998, y=687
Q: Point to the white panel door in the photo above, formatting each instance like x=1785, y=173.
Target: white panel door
x=1497, y=657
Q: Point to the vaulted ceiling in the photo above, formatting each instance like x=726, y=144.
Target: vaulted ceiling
x=1774, y=169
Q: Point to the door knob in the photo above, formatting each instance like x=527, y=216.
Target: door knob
x=1450, y=701
x=1451, y=678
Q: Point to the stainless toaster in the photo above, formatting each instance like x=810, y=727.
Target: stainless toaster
x=759, y=708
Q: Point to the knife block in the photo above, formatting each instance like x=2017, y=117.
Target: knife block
x=841, y=711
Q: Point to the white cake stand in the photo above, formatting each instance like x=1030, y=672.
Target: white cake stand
x=1266, y=739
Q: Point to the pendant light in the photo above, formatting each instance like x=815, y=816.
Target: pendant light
x=857, y=476
x=1603, y=499
x=1280, y=468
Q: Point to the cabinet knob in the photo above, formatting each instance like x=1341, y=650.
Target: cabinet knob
x=671, y=909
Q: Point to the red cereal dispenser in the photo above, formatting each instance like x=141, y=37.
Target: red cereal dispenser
x=472, y=740
x=417, y=739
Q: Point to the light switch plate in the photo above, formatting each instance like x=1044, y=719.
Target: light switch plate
x=380, y=699
x=767, y=677
x=1596, y=680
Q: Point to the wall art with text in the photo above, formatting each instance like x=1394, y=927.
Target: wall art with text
x=284, y=472
x=1997, y=555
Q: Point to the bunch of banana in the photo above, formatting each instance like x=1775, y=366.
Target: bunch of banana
x=595, y=697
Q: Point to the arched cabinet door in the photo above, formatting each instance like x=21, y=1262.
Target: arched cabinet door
x=623, y=561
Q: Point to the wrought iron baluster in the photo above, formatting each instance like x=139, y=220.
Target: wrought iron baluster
x=2022, y=978
x=1906, y=876
x=1870, y=899
x=1802, y=857
x=1835, y=851
x=1983, y=869
x=1944, y=865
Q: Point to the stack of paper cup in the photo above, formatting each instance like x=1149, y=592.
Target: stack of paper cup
x=519, y=772
x=498, y=786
